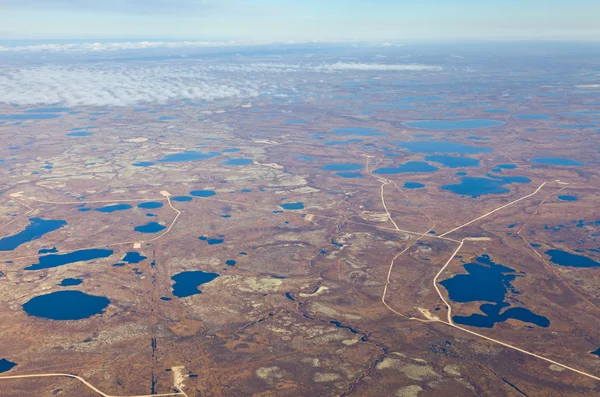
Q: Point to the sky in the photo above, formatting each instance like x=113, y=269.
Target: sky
x=301, y=20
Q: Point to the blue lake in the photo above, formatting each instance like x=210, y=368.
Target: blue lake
x=187, y=283
x=36, y=229
x=80, y=133
x=595, y=353
x=295, y=121
x=342, y=167
x=564, y=258
x=567, y=198
x=448, y=125
x=6, y=365
x=231, y=150
x=413, y=185
x=151, y=227
x=477, y=138
x=239, y=161
x=114, y=207
x=230, y=262
x=188, y=155
x=70, y=282
x=202, y=193
x=292, y=206
x=488, y=282
x=557, y=161
x=500, y=167
x=30, y=116
x=476, y=187
x=212, y=241
x=497, y=111
x=133, y=257
x=358, y=131
x=453, y=161
x=349, y=175
x=56, y=260
x=143, y=164
x=534, y=116
x=165, y=118
x=48, y=250
x=410, y=166
x=150, y=205
x=181, y=199
x=66, y=305
x=346, y=142
x=48, y=110
x=432, y=147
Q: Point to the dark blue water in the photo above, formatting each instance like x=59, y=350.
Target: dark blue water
x=202, y=193
x=212, y=241
x=133, y=257
x=69, y=282
x=30, y=116
x=143, y=164
x=342, y=167
x=358, y=131
x=47, y=250
x=181, y=199
x=239, y=161
x=114, y=207
x=447, y=125
x=477, y=138
x=230, y=262
x=534, y=116
x=413, y=185
x=556, y=161
x=442, y=147
x=66, y=305
x=564, y=258
x=595, y=353
x=346, y=142
x=500, y=167
x=55, y=260
x=187, y=283
x=151, y=227
x=567, y=198
x=35, y=230
x=83, y=209
x=476, y=187
x=80, y=133
x=453, y=161
x=150, y=205
x=6, y=365
x=293, y=206
x=488, y=282
x=410, y=166
x=188, y=155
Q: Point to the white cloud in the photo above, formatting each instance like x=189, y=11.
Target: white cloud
x=129, y=84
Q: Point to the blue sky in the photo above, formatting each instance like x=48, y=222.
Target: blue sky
x=301, y=19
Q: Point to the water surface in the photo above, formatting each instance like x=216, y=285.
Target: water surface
x=66, y=305
x=564, y=258
x=410, y=166
x=187, y=283
x=6, y=365
x=151, y=227
x=448, y=125
x=55, y=260
x=36, y=229
x=114, y=207
x=453, y=161
x=557, y=161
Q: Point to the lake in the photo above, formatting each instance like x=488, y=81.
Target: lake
x=486, y=281
x=69, y=282
x=476, y=187
x=343, y=167
x=181, y=199
x=413, y=185
x=30, y=116
x=114, y=207
x=143, y=164
x=187, y=283
x=358, y=131
x=564, y=258
x=36, y=229
x=55, y=260
x=150, y=205
x=133, y=257
x=212, y=241
x=533, y=116
x=557, y=161
x=202, y=193
x=188, y=155
x=238, y=161
x=292, y=206
x=66, y=305
x=453, y=161
x=448, y=125
x=431, y=147
x=80, y=133
x=410, y=166
x=151, y=227
x=6, y=365
x=567, y=198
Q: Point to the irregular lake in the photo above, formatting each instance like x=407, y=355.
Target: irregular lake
x=55, y=260
x=133, y=257
x=202, y=193
x=36, y=229
x=30, y=116
x=346, y=142
x=564, y=258
x=453, y=161
x=237, y=162
x=143, y=164
x=534, y=116
x=476, y=187
x=188, y=155
x=447, y=125
x=358, y=131
x=150, y=205
x=410, y=166
x=557, y=161
x=413, y=185
x=66, y=305
x=187, y=283
x=292, y=206
x=151, y=227
x=500, y=167
x=181, y=199
x=6, y=365
x=212, y=241
x=114, y=207
x=567, y=198
x=80, y=133
x=489, y=282
x=442, y=147
x=230, y=262
x=349, y=175
x=69, y=282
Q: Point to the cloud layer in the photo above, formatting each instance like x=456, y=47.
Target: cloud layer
x=125, y=84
